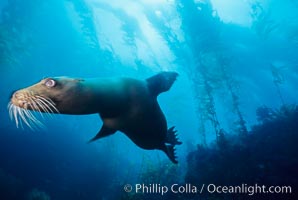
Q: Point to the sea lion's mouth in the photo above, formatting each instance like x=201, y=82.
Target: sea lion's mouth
x=24, y=102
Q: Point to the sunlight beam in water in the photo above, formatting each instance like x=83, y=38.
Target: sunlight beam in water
x=233, y=11
x=154, y=1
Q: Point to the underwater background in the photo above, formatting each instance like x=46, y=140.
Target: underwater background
x=234, y=104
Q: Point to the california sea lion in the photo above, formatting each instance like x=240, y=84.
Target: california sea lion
x=125, y=104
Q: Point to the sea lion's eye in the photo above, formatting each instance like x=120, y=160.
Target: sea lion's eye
x=50, y=83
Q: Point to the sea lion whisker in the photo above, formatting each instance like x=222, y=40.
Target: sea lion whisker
x=36, y=107
x=43, y=100
x=19, y=116
x=11, y=107
x=48, y=110
x=15, y=114
x=27, y=117
x=10, y=111
x=33, y=119
x=46, y=107
x=23, y=117
x=48, y=99
x=42, y=107
x=52, y=106
x=21, y=122
x=50, y=102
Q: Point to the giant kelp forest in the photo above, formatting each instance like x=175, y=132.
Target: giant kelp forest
x=235, y=142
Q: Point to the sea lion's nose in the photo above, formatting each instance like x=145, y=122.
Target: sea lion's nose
x=17, y=95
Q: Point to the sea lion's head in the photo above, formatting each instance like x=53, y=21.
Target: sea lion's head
x=50, y=95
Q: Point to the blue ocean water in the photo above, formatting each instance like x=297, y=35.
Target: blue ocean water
x=234, y=100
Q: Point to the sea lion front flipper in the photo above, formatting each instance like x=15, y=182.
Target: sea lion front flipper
x=104, y=131
x=161, y=82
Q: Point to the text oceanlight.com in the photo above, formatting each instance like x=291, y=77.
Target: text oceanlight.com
x=209, y=188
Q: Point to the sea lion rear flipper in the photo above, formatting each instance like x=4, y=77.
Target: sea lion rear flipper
x=161, y=82
x=170, y=151
x=104, y=131
x=172, y=137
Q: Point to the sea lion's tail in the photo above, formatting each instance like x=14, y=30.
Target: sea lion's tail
x=161, y=82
